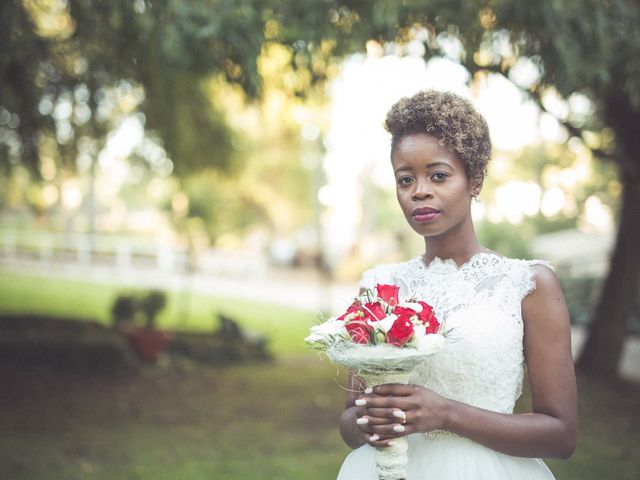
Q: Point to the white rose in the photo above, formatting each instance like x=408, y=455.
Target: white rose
x=325, y=331
x=419, y=331
x=431, y=343
x=385, y=324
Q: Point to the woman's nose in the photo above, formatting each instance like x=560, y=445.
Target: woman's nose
x=422, y=190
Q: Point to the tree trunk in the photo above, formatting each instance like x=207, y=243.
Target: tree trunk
x=601, y=353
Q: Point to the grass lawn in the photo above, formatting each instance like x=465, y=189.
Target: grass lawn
x=285, y=327
x=254, y=421
x=263, y=421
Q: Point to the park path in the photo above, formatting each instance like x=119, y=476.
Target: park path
x=302, y=290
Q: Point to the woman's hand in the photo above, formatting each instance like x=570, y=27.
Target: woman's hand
x=393, y=410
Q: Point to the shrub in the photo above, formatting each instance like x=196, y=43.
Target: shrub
x=128, y=308
x=582, y=295
x=63, y=344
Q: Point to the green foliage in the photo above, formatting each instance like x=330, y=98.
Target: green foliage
x=594, y=45
x=22, y=55
x=192, y=130
x=151, y=304
x=169, y=48
x=223, y=203
x=126, y=307
x=541, y=224
x=581, y=294
x=504, y=238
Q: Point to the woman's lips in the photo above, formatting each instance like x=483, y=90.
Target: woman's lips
x=425, y=215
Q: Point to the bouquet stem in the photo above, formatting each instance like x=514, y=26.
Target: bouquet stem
x=391, y=461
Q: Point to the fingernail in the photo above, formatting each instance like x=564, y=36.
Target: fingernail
x=361, y=402
x=374, y=437
x=362, y=421
x=398, y=428
x=368, y=390
x=399, y=414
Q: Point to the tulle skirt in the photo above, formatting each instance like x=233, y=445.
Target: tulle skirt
x=448, y=457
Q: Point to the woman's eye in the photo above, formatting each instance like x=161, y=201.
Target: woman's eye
x=439, y=177
x=405, y=180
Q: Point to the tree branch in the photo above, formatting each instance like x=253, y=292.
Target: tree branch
x=535, y=94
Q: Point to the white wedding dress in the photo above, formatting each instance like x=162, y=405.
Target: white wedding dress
x=482, y=364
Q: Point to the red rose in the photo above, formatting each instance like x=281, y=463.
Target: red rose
x=400, y=332
x=359, y=331
x=354, y=307
x=388, y=293
x=404, y=311
x=373, y=311
x=428, y=318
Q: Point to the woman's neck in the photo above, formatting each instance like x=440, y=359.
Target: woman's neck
x=459, y=248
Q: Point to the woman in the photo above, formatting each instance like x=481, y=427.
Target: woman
x=502, y=314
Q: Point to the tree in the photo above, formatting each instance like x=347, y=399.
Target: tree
x=595, y=49
x=93, y=46
x=590, y=47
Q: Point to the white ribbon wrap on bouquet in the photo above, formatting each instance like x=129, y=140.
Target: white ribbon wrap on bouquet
x=392, y=461
x=377, y=365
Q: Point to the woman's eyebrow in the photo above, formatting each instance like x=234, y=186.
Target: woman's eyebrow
x=439, y=164
x=402, y=169
x=427, y=166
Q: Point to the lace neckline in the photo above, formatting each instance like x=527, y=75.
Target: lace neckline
x=448, y=265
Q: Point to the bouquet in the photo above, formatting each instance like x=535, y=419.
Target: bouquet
x=383, y=339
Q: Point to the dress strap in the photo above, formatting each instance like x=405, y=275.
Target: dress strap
x=528, y=281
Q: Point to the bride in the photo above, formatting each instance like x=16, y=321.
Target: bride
x=503, y=314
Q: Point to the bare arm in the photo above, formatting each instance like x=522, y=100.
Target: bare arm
x=550, y=431
x=351, y=434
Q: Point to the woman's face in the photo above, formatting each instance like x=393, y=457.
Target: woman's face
x=432, y=186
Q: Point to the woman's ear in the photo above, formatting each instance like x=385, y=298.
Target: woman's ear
x=476, y=186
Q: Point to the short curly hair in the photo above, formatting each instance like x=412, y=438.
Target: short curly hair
x=449, y=118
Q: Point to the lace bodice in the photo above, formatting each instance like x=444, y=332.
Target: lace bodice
x=480, y=305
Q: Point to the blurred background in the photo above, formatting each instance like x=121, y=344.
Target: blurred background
x=187, y=186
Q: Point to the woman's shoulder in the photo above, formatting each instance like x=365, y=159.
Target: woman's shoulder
x=497, y=260
x=531, y=273
x=524, y=274
x=490, y=257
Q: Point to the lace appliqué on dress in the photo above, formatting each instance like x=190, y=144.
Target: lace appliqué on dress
x=480, y=305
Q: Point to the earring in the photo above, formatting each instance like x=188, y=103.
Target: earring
x=475, y=197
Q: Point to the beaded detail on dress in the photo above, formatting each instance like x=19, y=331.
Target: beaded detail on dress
x=480, y=305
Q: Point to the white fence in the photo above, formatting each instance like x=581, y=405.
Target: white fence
x=120, y=253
